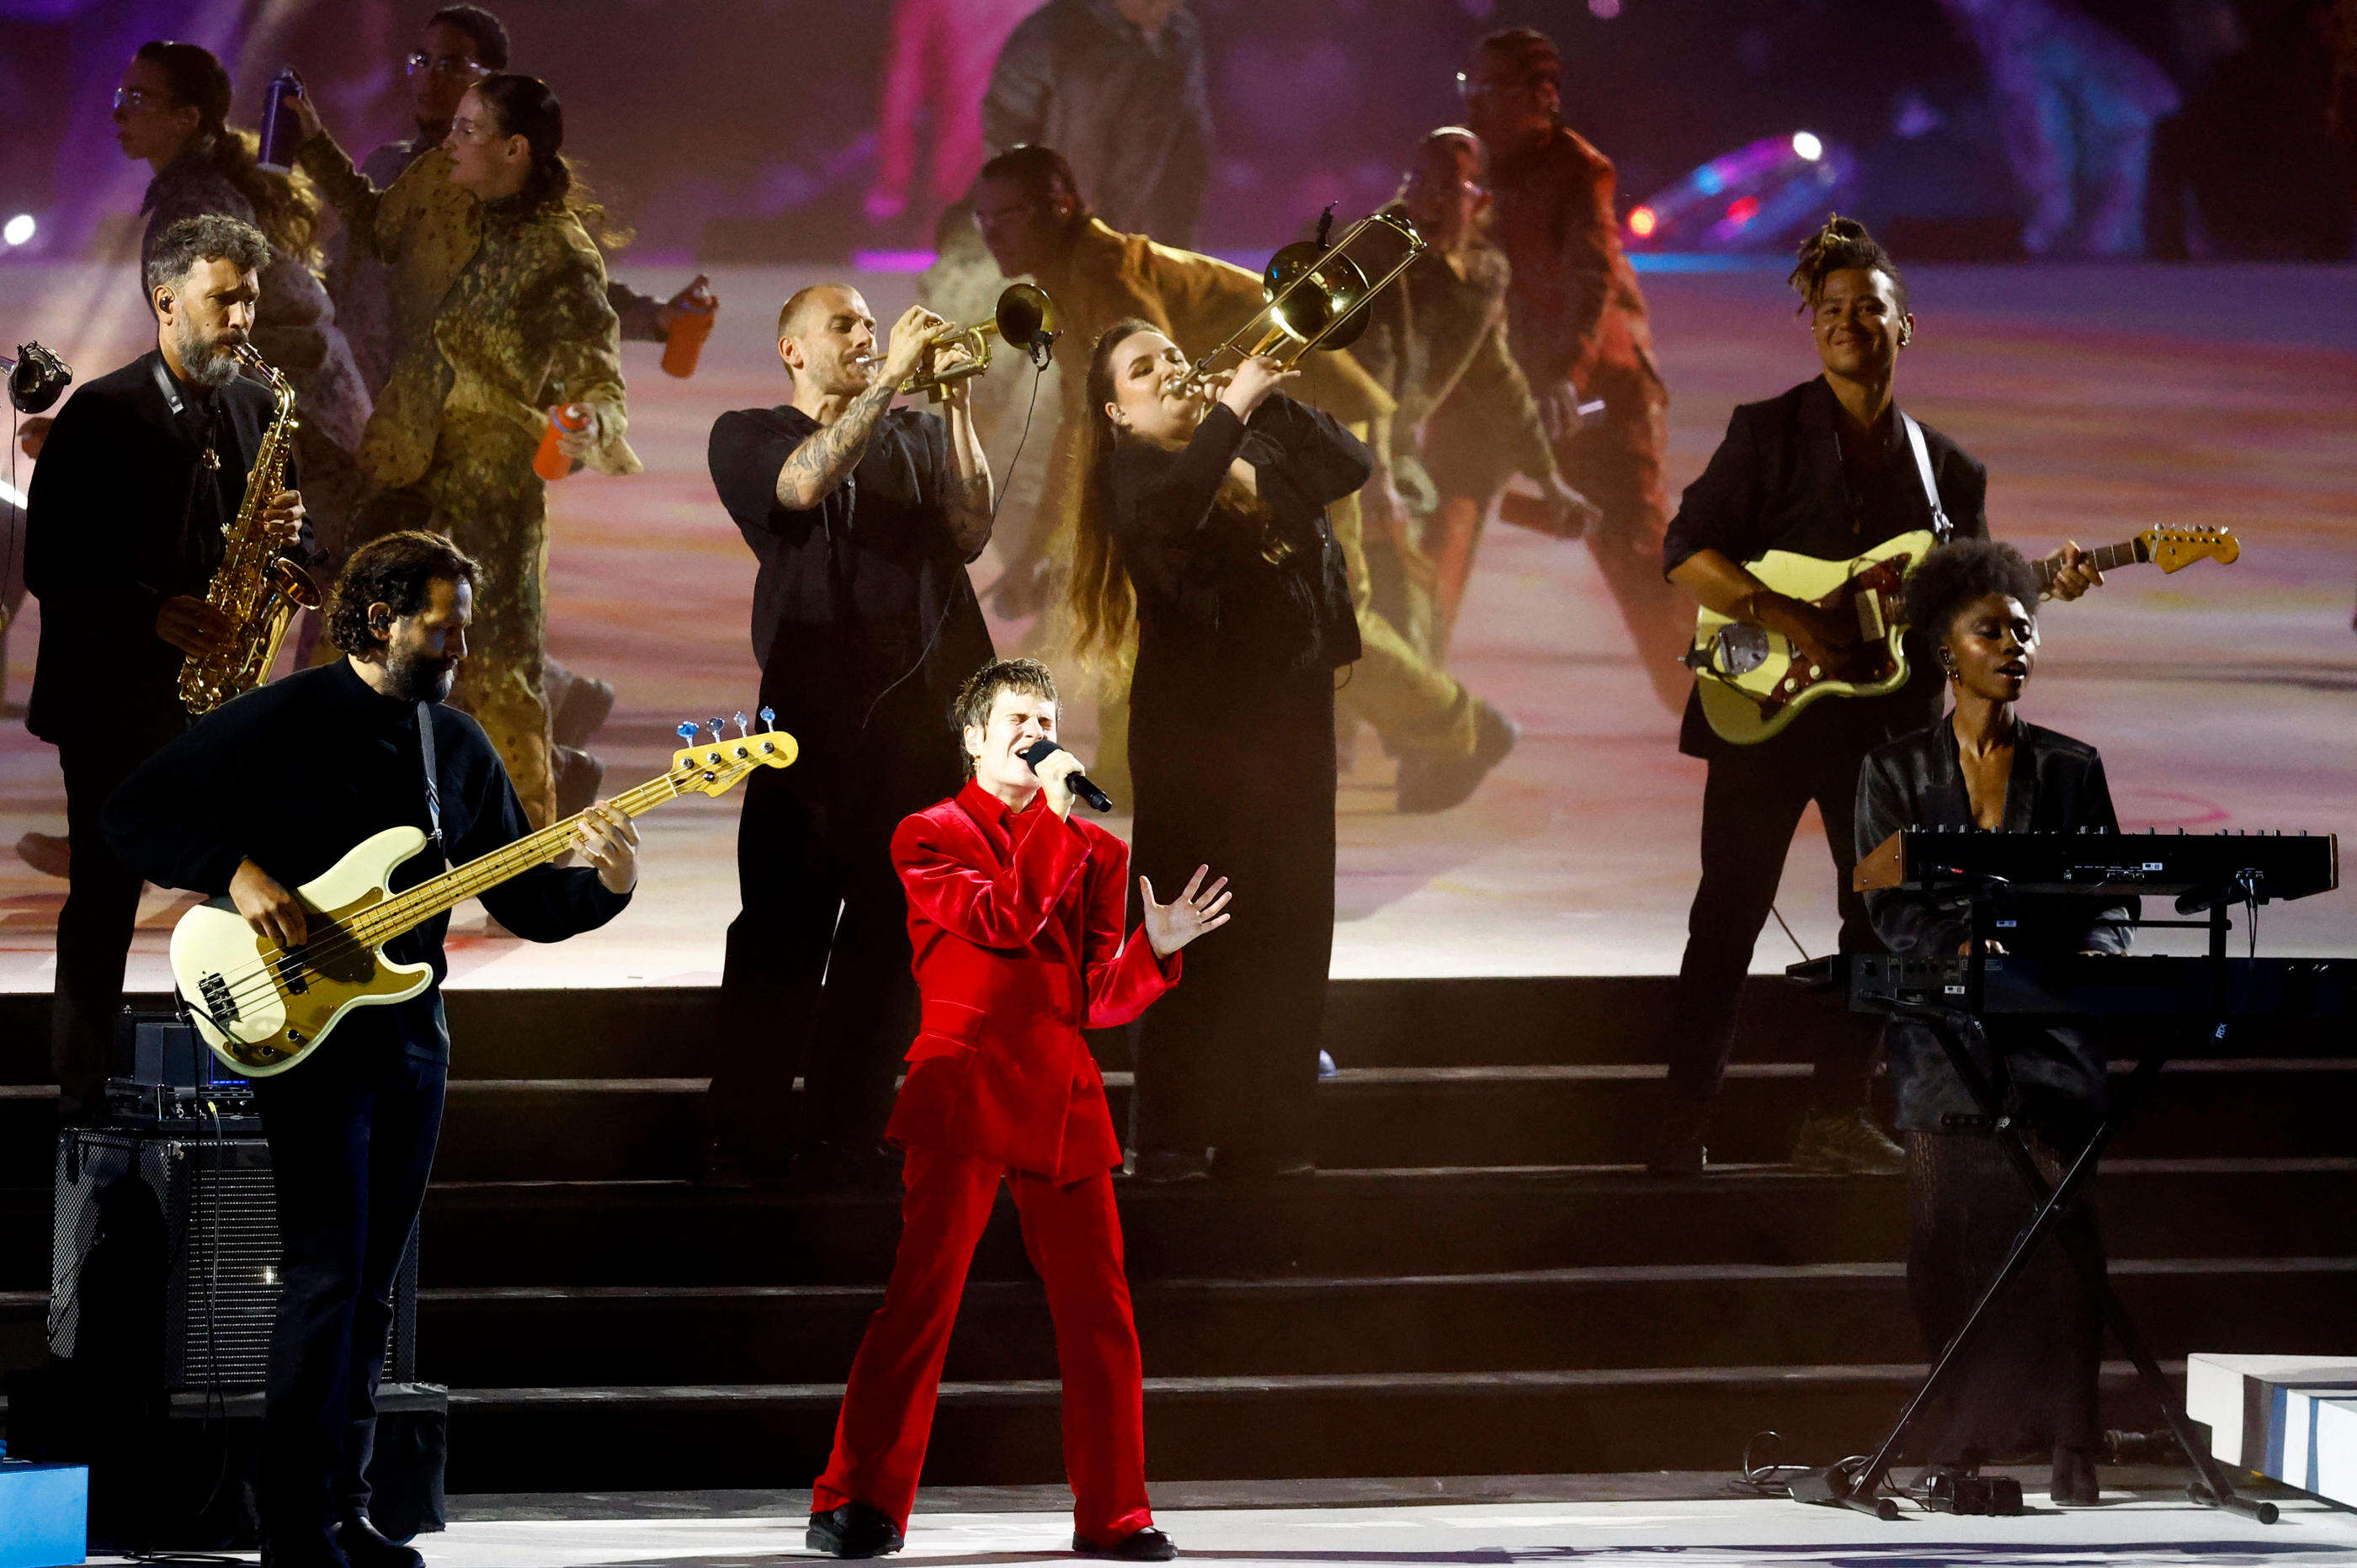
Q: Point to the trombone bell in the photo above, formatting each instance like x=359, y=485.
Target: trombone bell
x=1026, y=316
x=1315, y=295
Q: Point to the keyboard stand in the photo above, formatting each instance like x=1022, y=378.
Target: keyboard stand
x=1860, y=1489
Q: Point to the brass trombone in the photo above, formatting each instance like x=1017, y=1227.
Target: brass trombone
x=1026, y=316
x=1314, y=295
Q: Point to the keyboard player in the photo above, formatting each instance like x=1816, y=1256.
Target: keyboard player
x=2030, y=1387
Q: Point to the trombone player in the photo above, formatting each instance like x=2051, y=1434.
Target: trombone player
x=863, y=518
x=1036, y=223
x=123, y=532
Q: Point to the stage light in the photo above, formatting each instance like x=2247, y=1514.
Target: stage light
x=1807, y=146
x=1603, y=10
x=17, y=230
x=1742, y=210
x=1641, y=222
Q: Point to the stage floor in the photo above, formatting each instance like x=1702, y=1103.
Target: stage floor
x=2104, y=400
x=2126, y=1530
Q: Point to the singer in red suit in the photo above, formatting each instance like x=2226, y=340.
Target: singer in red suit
x=1016, y=911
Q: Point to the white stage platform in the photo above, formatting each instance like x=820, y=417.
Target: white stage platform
x=2129, y=1532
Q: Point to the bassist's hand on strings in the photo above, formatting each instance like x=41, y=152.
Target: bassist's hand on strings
x=609, y=840
x=273, y=912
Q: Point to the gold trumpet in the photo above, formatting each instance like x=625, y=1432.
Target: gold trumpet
x=1315, y=293
x=1026, y=316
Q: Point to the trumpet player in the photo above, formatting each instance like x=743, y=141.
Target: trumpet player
x=863, y=518
x=124, y=529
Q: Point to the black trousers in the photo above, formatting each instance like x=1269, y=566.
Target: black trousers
x=94, y=929
x=1228, y=1060
x=351, y=1137
x=816, y=979
x=1751, y=803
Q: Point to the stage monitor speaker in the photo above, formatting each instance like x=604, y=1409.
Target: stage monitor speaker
x=163, y=1264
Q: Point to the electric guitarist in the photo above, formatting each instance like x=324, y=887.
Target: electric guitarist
x=264, y=795
x=1830, y=469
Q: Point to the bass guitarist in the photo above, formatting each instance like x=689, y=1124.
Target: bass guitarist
x=266, y=793
x=1829, y=469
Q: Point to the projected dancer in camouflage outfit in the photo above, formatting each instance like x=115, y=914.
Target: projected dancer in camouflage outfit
x=522, y=326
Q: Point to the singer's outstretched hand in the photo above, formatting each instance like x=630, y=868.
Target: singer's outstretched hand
x=1169, y=927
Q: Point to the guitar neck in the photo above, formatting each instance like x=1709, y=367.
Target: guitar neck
x=2127, y=553
x=440, y=894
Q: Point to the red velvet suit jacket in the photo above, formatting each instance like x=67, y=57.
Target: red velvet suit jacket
x=1016, y=923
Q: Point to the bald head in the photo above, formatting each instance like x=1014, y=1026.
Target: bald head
x=824, y=334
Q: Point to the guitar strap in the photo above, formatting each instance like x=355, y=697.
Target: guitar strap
x=1942, y=529
x=433, y=790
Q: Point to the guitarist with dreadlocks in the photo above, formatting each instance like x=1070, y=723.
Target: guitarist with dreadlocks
x=1829, y=469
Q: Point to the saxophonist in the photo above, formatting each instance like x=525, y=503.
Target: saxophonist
x=124, y=528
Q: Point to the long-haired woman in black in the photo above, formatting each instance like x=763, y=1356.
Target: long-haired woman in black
x=1202, y=535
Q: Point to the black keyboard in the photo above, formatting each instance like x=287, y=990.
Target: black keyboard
x=2073, y=984
x=2274, y=866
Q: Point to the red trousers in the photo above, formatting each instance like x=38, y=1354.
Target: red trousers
x=1073, y=1235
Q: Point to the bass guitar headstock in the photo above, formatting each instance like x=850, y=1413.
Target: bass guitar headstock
x=2174, y=549
x=718, y=764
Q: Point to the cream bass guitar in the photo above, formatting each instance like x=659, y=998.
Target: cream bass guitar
x=1753, y=682
x=263, y=1009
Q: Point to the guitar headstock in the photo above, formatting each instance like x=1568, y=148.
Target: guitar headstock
x=2173, y=549
x=723, y=762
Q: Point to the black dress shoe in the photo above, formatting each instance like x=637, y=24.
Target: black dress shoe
x=365, y=1546
x=1160, y=1167
x=855, y=1529
x=1148, y=1545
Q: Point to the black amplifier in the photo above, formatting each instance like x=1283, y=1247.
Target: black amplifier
x=165, y=1078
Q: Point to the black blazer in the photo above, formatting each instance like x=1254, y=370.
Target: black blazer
x=1206, y=590
x=2056, y=1073
x=2057, y=786
x=120, y=515
x=1777, y=483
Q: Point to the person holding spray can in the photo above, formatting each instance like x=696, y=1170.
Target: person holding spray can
x=523, y=330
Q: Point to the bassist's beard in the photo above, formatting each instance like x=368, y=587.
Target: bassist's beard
x=416, y=678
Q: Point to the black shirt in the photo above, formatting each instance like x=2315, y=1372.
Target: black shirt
x=1778, y=481
x=295, y=774
x=1208, y=594
x=123, y=513
x=851, y=590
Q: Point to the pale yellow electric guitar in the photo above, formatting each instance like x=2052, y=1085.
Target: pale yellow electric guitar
x=263, y=1009
x=1753, y=682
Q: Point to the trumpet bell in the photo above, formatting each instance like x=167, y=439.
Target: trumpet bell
x=1024, y=315
x=1334, y=290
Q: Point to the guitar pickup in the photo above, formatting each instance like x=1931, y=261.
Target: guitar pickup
x=1871, y=624
x=220, y=1004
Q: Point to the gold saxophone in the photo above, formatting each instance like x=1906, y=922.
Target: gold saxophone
x=258, y=588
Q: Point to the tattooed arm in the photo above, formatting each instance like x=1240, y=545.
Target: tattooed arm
x=813, y=469
x=821, y=463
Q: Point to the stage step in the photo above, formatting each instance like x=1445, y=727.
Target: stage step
x=1704, y=1316
x=1535, y=1021
x=1006, y=1433
x=1366, y=1223
x=1356, y=1222
x=616, y=1129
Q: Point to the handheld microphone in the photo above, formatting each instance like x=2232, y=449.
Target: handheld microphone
x=1039, y=751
